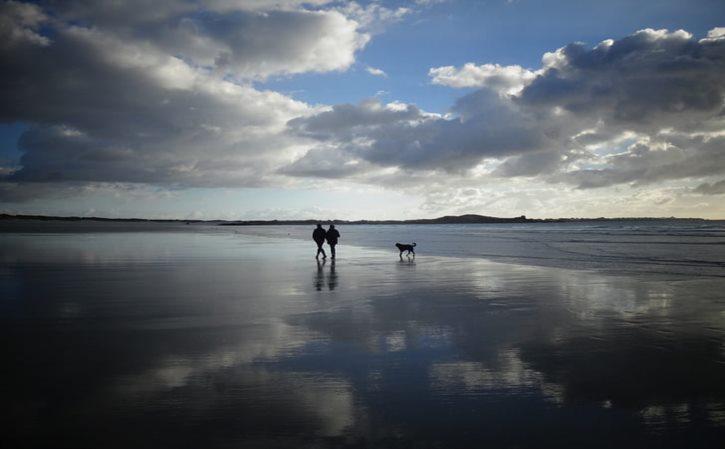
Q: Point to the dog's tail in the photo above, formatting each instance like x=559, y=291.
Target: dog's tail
x=413, y=243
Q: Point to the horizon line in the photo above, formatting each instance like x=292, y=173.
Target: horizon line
x=250, y=221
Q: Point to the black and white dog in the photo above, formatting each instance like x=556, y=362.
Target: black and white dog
x=404, y=247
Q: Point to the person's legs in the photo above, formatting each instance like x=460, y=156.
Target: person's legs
x=332, y=250
x=320, y=250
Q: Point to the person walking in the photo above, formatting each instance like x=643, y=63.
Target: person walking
x=318, y=235
x=332, y=235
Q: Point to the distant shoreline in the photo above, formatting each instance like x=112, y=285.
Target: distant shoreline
x=449, y=219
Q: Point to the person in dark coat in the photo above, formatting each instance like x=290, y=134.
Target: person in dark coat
x=318, y=235
x=332, y=236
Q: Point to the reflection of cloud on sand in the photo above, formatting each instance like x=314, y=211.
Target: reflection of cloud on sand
x=249, y=350
x=395, y=341
x=330, y=399
x=566, y=337
x=661, y=417
x=636, y=368
x=475, y=377
x=309, y=401
x=180, y=367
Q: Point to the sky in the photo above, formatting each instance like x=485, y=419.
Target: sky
x=320, y=109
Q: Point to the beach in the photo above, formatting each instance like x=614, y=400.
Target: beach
x=198, y=336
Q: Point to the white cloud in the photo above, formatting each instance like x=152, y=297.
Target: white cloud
x=247, y=40
x=373, y=17
x=505, y=79
x=161, y=96
x=137, y=114
x=165, y=97
x=715, y=34
x=429, y=2
x=563, y=123
x=375, y=72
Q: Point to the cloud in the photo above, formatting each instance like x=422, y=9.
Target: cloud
x=136, y=115
x=19, y=22
x=717, y=188
x=647, y=81
x=245, y=40
x=404, y=136
x=530, y=164
x=429, y=2
x=345, y=119
x=715, y=34
x=506, y=79
x=373, y=17
x=663, y=158
x=375, y=72
x=326, y=163
x=643, y=109
x=119, y=93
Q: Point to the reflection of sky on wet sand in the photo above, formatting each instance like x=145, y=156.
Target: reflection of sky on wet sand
x=158, y=340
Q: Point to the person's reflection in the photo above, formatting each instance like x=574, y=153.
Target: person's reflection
x=320, y=275
x=332, y=278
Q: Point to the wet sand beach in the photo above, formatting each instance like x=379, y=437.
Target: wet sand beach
x=219, y=339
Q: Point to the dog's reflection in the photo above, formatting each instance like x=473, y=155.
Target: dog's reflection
x=407, y=260
x=332, y=278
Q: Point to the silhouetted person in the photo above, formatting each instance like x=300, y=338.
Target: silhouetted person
x=318, y=235
x=332, y=236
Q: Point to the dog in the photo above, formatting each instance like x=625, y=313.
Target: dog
x=404, y=247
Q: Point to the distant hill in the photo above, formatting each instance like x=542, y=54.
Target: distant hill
x=448, y=219
x=74, y=218
x=472, y=218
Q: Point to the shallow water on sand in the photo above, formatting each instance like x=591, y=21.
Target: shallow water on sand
x=690, y=248
x=223, y=340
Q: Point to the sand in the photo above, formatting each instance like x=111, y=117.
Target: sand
x=183, y=339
